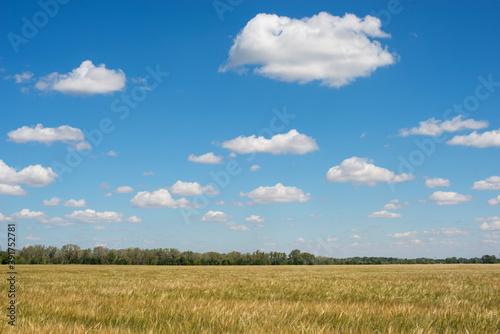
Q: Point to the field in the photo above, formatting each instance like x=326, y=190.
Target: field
x=256, y=299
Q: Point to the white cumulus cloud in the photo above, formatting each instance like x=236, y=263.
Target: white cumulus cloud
x=254, y=168
x=255, y=219
x=490, y=183
x=191, y=189
x=92, y=217
x=236, y=227
x=277, y=194
x=437, y=182
x=362, y=171
x=87, y=79
x=6, y=189
x=334, y=50
x=124, y=190
x=494, y=201
x=384, y=214
x=292, y=142
x=76, y=203
x=434, y=127
x=28, y=214
x=215, y=216
x=493, y=226
x=32, y=176
x=48, y=136
x=485, y=139
x=449, y=198
x=54, y=201
x=207, y=158
x=403, y=235
x=160, y=198
x=4, y=218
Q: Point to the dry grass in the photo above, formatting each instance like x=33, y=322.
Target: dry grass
x=285, y=299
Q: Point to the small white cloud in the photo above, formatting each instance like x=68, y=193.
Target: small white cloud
x=54, y=201
x=254, y=168
x=277, y=194
x=28, y=214
x=255, y=219
x=148, y=173
x=100, y=228
x=494, y=201
x=236, y=227
x=112, y=154
x=329, y=240
x=487, y=219
x=20, y=78
x=105, y=185
x=449, y=198
x=434, y=127
x=30, y=237
x=135, y=220
x=58, y=221
x=490, y=183
x=334, y=50
x=403, y=235
x=160, y=198
x=207, y=158
x=493, y=226
x=292, y=142
x=449, y=231
x=384, y=214
x=108, y=194
x=191, y=189
x=392, y=205
x=485, y=139
x=220, y=203
x=356, y=237
x=315, y=215
x=215, y=216
x=437, y=182
x=4, y=218
x=361, y=171
x=84, y=80
x=124, y=190
x=76, y=203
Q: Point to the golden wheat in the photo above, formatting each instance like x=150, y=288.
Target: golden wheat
x=257, y=299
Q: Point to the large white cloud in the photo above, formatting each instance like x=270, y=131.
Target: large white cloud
x=191, y=189
x=87, y=79
x=207, y=158
x=32, y=176
x=48, y=136
x=91, y=217
x=437, y=182
x=474, y=139
x=160, y=198
x=494, y=201
x=490, y=183
x=215, y=216
x=335, y=50
x=362, y=171
x=277, y=194
x=434, y=127
x=292, y=142
x=449, y=198
x=384, y=214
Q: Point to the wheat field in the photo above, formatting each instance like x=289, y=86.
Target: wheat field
x=256, y=299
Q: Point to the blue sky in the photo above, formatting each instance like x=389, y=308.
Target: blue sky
x=341, y=129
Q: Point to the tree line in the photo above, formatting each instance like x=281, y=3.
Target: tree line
x=73, y=254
